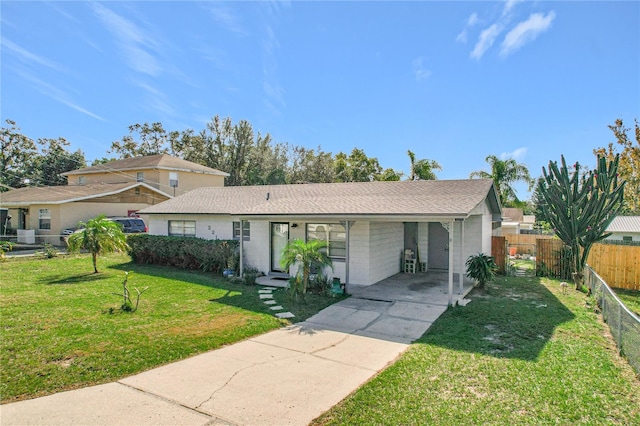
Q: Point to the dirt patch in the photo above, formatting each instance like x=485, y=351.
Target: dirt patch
x=210, y=325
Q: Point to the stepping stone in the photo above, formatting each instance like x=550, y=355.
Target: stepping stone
x=269, y=288
x=270, y=302
x=264, y=291
x=276, y=308
x=285, y=315
x=266, y=296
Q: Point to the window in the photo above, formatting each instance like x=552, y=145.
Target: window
x=44, y=219
x=173, y=179
x=82, y=180
x=182, y=228
x=627, y=239
x=140, y=177
x=333, y=234
x=246, y=231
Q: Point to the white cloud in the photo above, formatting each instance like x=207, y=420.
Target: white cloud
x=526, y=31
x=419, y=69
x=471, y=21
x=133, y=40
x=486, y=40
x=517, y=155
x=225, y=17
x=508, y=6
x=27, y=56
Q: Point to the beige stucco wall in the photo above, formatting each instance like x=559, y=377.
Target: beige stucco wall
x=155, y=178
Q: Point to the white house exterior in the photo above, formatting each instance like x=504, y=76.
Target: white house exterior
x=367, y=225
x=625, y=228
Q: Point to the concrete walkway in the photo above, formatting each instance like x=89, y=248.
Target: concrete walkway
x=285, y=377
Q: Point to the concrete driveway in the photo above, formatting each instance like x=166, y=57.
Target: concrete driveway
x=284, y=377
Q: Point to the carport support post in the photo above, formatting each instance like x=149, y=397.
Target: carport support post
x=241, y=248
x=347, y=226
x=451, y=262
x=461, y=255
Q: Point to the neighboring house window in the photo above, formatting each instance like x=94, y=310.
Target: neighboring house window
x=246, y=231
x=44, y=219
x=627, y=239
x=173, y=179
x=140, y=177
x=82, y=180
x=182, y=228
x=333, y=234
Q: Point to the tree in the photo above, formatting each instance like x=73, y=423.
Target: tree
x=504, y=174
x=481, y=268
x=152, y=140
x=99, y=236
x=388, y=175
x=16, y=156
x=580, y=208
x=309, y=166
x=629, y=166
x=356, y=167
x=305, y=256
x=422, y=169
x=47, y=168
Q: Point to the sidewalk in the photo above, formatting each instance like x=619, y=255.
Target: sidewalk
x=285, y=377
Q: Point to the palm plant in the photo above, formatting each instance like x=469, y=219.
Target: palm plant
x=98, y=236
x=481, y=268
x=504, y=174
x=305, y=255
x=422, y=169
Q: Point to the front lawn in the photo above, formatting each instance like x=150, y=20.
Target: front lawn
x=62, y=327
x=519, y=353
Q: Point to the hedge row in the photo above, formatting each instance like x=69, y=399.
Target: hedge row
x=184, y=252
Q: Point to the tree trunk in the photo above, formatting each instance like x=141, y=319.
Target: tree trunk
x=94, y=258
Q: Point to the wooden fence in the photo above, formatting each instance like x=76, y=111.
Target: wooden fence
x=524, y=243
x=618, y=265
x=499, y=253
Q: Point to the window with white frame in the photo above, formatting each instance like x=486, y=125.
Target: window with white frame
x=82, y=180
x=173, y=179
x=140, y=177
x=44, y=219
x=333, y=234
x=182, y=228
x=246, y=231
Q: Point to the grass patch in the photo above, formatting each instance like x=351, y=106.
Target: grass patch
x=630, y=298
x=62, y=327
x=520, y=353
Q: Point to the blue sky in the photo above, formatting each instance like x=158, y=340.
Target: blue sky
x=452, y=81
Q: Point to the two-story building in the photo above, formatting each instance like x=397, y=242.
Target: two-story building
x=116, y=188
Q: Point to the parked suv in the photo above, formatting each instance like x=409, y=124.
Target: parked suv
x=130, y=225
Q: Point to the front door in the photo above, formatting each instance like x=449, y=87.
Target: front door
x=438, y=246
x=279, y=240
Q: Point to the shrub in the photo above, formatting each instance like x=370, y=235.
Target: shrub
x=182, y=252
x=481, y=268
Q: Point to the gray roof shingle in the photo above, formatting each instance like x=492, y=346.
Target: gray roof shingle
x=436, y=198
x=64, y=194
x=160, y=161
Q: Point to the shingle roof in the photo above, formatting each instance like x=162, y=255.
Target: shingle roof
x=160, y=161
x=64, y=194
x=436, y=198
x=625, y=224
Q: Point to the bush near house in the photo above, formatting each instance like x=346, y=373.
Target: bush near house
x=182, y=252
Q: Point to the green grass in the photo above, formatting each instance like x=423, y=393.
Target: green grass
x=61, y=326
x=528, y=265
x=631, y=299
x=520, y=353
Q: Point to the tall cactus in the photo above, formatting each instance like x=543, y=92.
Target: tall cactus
x=580, y=208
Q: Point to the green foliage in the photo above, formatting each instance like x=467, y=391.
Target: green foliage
x=320, y=284
x=5, y=246
x=481, y=268
x=249, y=275
x=49, y=251
x=504, y=174
x=422, y=169
x=580, y=208
x=98, y=236
x=629, y=165
x=304, y=256
x=183, y=252
x=16, y=154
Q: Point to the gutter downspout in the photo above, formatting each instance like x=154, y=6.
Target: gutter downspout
x=241, y=248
